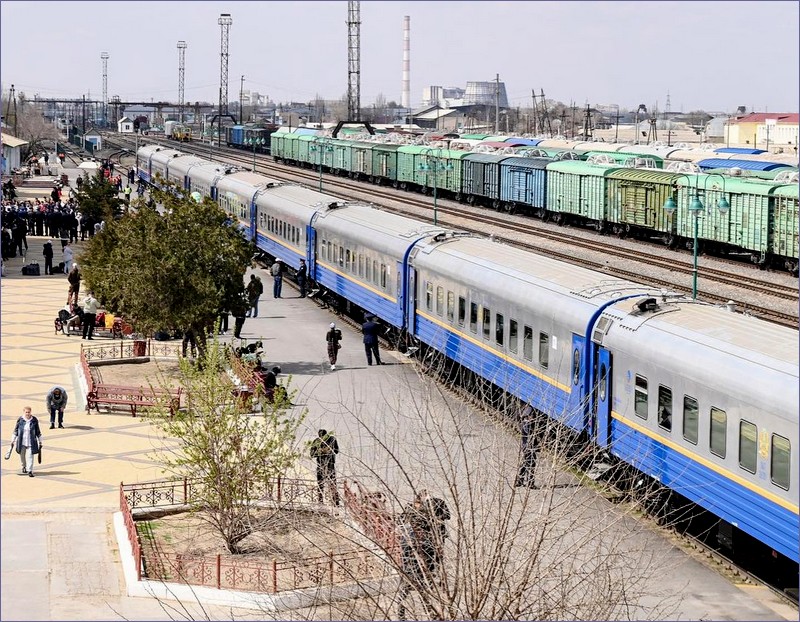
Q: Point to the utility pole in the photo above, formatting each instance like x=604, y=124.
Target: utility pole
x=572, y=120
x=545, y=115
x=104, y=57
x=181, y=76
x=12, y=97
x=587, y=123
x=497, y=105
x=353, y=60
x=83, y=112
x=535, y=124
x=225, y=20
x=241, y=102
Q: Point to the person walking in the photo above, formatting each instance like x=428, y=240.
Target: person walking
x=56, y=401
x=277, y=277
x=90, y=305
x=189, y=338
x=48, y=257
x=370, y=331
x=74, y=279
x=324, y=449
x=254, y=290
x=416, y=536
x=131, y=176
x=527, y=465
x=333, y=337
x=27, y=440
x=127, y=193
x=69, y=255
x=302, y=275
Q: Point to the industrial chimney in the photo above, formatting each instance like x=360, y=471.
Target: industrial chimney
x=405, y=100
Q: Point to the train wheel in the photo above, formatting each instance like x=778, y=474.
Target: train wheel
x=459, y=197
x=791, y=267
x=671, y=241
x=600, y=226
x=470, y=199
x=395, y=185
x=496, y=205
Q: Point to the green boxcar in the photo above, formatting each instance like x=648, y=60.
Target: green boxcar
x=302, y=149
x=745, y=226
x=578, y=189
x=428, y=167
x=342, y=155
x=384, y=162
x=636, y=199
x=361, y=164
x=784, y=225
x=279, y=144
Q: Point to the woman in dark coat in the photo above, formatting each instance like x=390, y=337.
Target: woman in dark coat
x=27, y=439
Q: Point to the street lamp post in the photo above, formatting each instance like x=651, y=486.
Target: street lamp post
x=696, y=207
x=433, y=163
x=323, y=148
x=256, y=142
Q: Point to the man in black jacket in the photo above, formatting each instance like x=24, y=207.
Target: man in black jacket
x=48, y=257
x=370, y=331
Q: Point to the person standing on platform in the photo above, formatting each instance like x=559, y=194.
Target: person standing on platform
x=370, y=331
x=27, y=440
x=254, y=290
x=324, y=449
x=333, y=337
x=302, y=275
x=74, y=279
x=90, y=305
x=277, y=276
x=527, y=465
x=48, y=258
x=69, y=255
x=239, y=311
x=56, y=402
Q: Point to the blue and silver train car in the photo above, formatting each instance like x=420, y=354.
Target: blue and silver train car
x=362, y=255
x=159, y=164
x=143, y=160
x=179, y=167
x=236, y=193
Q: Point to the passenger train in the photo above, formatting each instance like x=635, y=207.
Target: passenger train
x=699, y=398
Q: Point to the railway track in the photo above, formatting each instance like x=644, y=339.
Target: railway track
x=534, y=232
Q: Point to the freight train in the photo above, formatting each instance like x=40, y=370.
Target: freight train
x=701, y=401
x=621, y=189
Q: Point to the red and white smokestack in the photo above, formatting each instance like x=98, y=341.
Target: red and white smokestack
x=405, y=100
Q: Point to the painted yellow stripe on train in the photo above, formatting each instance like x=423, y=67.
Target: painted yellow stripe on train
x=279, y=242
x=359, y=283
x=506, y=358
x=707, y=463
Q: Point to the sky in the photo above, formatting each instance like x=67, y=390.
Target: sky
x=707, y=55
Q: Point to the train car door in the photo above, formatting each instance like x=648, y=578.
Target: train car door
x=311, y=249
x=601, y=397
x=575, y=416
x=253, y=216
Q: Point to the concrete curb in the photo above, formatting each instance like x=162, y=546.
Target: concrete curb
x=294, y=599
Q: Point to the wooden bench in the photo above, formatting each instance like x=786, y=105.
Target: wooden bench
x=118, y=330
x=133, y=398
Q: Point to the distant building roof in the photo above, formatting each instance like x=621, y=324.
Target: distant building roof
x=13, y=141
x=436, y=113
x=125, y=120
x=761, y=117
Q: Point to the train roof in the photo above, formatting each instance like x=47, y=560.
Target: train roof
x=183, y=163
x=742, y=164
x=581, y=168
x=365, y=224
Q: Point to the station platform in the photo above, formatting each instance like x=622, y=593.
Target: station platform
x=57, y=538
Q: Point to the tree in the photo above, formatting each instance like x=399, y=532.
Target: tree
x=31, y=125
x=170, y=271
x=228, y=453
x=98, y=199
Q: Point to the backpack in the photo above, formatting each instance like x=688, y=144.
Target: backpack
x=276, y=269
x=63, y=315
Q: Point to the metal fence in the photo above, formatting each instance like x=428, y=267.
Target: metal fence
x=226, y=572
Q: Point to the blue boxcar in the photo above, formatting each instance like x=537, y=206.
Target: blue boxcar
x=523, y=182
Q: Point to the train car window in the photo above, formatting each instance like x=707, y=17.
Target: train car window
x=347, y=260
x=779, y=465
x=527, y=343
x=640, y=397
x=322, y=253
x=375, y=271
x=440, y=301
x=341, y=256
x=719, y=431
x=473, y=317
x=544, y=350
x=665, y=407
x=389, y=278
x=282, y=229
x=462, y=310
x=429, y=296
x=383, y=276
x=576, y=366
x=330, y=254
x=360, y=265
x=398, y=283
x=690, y=419
x=513, y=336
x=487, y=323
x=748, y=433
x=451, y=306
x=499, y=329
